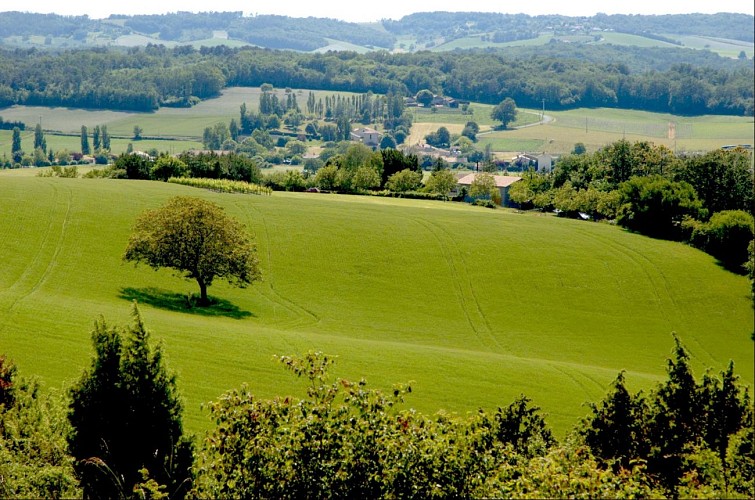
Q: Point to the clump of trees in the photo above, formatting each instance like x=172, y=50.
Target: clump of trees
x=689, y=434
x=34, y=458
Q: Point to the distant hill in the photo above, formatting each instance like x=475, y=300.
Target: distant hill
x=507, y=27
x=278, y=32
x=727, y=34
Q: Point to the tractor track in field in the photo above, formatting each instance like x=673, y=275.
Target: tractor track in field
x=463, y=285
x=304, y=317
x=52, y=228
x=637, y=259
x=643, y=262
x=571, y=377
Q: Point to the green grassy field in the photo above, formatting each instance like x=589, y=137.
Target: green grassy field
x=474, y=306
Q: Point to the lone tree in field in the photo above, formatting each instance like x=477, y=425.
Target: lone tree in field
x=505, y=112
x=196, y=239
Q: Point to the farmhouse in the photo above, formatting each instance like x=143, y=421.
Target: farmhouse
x=502, y=182
x=543, y=163
x=367, y=136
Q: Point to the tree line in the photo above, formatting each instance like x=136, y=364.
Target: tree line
x=118, y=432
x=145, y=78
x=703, y=199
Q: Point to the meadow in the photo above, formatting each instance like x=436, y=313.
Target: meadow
x=473, y=306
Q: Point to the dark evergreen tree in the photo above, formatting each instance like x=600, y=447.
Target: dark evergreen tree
x=126, y=416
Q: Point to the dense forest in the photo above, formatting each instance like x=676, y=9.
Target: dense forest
x=559, y=76
x=307, y=34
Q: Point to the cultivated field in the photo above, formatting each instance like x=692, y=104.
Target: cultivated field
x=474, y=306
x=599, y=127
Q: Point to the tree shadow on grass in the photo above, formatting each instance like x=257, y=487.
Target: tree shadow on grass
x=178, y=302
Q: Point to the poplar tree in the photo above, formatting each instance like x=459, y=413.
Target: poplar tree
x=39, y=138
x=16, y=151
x=85, y=150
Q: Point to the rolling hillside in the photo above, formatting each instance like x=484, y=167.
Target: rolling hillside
x=473, y=306
x=725, y=33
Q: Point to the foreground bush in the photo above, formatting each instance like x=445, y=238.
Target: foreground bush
x=696, y=438
x=345, y=440
x=686, y=439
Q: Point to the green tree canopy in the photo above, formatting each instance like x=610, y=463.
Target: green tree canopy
x=656, y=206
x=425, y=97
x=505, y=112
x=195, y=238
x=441, y=181
x=39, y=138
x=85, y=149
x=406, y=180
x=482, y=186
x=166, y=167
x=16, y=145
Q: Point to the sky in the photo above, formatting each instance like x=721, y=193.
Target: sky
x=356, y=11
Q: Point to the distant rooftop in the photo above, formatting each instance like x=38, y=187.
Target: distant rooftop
x=500, y=180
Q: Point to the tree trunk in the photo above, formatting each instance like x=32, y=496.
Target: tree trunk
x=203, y=301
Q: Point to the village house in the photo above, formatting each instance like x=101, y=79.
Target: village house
x=367, y=136
x=502, y=182
x=543, y=163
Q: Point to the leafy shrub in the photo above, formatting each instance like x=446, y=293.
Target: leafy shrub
x=405, y=180
x=346, y=440
x=485, y=203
